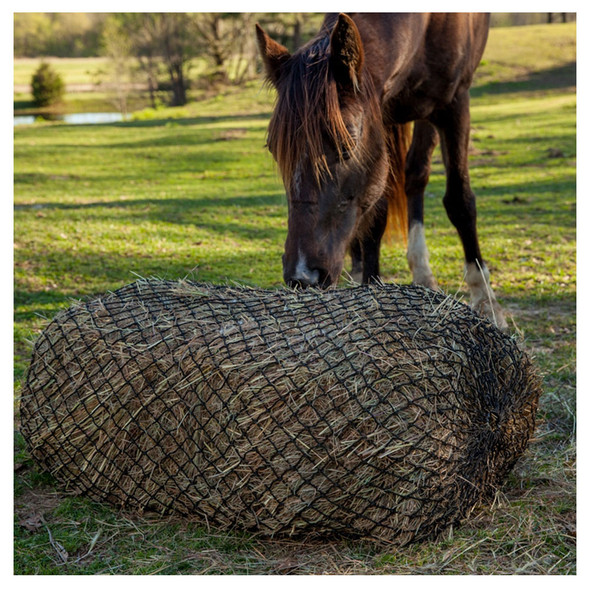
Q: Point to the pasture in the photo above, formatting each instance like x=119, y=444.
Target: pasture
x=192, y=192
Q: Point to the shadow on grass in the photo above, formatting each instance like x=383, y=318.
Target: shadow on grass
x=544, y=80
x=531, y=303
x=107, y=272
x=564, y=187
x=149, y=149
x=181, y=204
x=40, y=303
x=209, y=214
x=190, y=121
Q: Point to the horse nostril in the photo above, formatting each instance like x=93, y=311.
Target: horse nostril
x=314, y=278
x=303, y=282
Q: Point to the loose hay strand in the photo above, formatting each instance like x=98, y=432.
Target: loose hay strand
x=385, y=412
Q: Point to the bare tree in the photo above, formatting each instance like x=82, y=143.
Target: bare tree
x=117, y=47
x=162, y=40
x=177, y=50
x=227, y=39
x=143, y=34
x=292, y=29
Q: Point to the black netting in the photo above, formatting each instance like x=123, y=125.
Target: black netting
x=383, y=412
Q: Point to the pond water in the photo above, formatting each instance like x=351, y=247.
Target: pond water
x=72, y=119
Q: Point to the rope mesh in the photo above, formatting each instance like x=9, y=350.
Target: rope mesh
x=383, y=412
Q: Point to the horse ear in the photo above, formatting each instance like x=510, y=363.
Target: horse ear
x=273, y=54
x=347, y=53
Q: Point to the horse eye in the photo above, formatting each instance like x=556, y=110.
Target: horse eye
x=346, y=151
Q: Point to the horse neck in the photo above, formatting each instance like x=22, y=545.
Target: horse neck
x=390, y=42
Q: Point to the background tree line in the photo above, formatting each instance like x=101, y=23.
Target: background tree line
x=158, y=50
x=81, y=34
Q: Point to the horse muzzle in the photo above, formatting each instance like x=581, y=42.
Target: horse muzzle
x=301, y=274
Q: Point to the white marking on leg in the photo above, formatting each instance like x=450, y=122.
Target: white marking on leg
x=478, y=281
x=303, y=273
x=483, y=299
x=418, y=257
x=357, y=277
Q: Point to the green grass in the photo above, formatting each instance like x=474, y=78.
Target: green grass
x=528, y=58
x=193, y=192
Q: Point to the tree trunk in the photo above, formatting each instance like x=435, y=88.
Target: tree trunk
x=148, y=65
x=174, y=60
x=217, y=52
x=152, y=91
x=178, y=86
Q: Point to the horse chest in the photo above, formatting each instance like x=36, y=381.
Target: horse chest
x=415, y=98
x=407, y=105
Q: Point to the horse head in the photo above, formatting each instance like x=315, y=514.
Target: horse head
x=326, y=135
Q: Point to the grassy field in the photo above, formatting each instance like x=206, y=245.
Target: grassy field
x=193, y=192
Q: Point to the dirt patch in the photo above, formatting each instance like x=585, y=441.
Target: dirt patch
x=31, y=507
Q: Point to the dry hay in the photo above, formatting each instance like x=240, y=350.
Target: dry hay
x=385, y=412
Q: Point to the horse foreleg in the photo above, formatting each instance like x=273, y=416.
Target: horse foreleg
x=356, y=253
x=453, y=124
x=418, y=160
x=365, y=248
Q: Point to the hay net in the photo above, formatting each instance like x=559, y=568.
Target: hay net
x=383, y=412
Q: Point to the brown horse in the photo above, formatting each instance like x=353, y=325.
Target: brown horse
x=341, y=136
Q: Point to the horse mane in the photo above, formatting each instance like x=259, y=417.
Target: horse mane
x=308, y=110
x=310, y=107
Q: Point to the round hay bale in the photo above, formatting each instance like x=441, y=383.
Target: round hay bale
x=385, y=412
